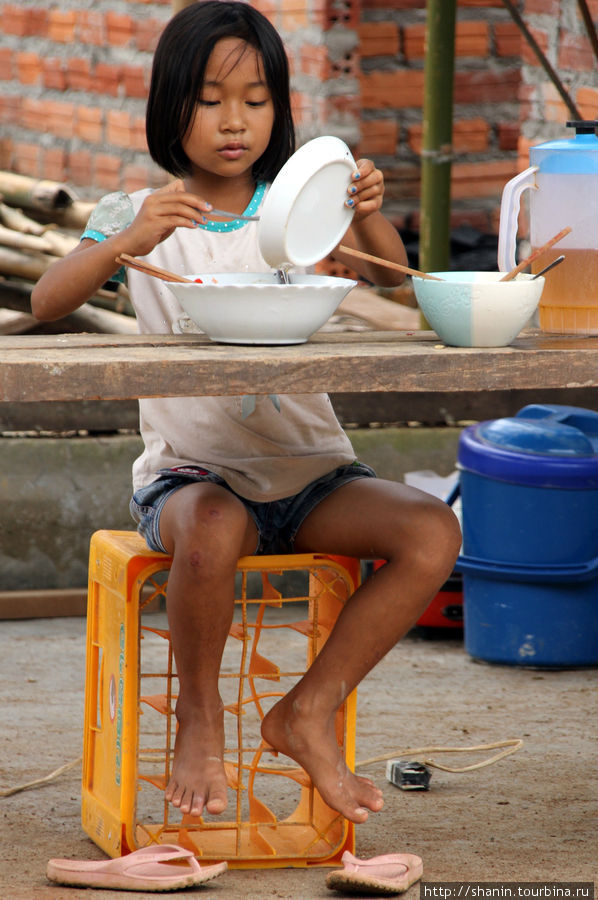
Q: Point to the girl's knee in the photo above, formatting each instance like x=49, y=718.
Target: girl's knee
x=207, y=527
x=438, y=537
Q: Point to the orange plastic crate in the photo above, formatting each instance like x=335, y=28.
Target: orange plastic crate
x=131, y=686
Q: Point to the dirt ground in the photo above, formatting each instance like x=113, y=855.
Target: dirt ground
x=532, y=817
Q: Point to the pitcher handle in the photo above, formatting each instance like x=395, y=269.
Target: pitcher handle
x=509, y=214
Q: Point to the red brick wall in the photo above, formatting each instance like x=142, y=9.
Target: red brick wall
x=486, y=107
x=560, y=31
x=73, y=84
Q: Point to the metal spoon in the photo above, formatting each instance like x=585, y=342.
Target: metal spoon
x=555, y=262
x=230, y=215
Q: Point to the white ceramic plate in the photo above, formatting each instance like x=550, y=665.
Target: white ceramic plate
x=304, y=215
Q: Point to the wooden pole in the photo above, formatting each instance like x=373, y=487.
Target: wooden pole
x=436, y=154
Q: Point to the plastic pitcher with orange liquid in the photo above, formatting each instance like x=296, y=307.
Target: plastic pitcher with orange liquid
x=563, y=178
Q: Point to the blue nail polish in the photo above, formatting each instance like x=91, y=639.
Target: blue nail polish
x=356, y=176
x=352, y=189
x=351, y=202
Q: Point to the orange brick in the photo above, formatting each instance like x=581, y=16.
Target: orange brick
x=78, y=74
x=575, y=52
x=107, y=171
x=469, y=136
x=60, y=118
x=119, y=29
x=138, y=138
x=146, y=34
x=61, y=26
x=107, y=79
x=481, y=179
x=118, y=128
x=79, y=168
x=6, y=64
x=471, y=39
x=10, y=110
x=483, y=86
x=414, y=41
x=391, y=90
x=508, y=135
x=136, y=81
x=313, y=60
x=587, y=101
x=14, y=20
x=136, y=178
x=378, y=39
x=27, y=158
x=6, y=151
x=37, y=22
x=292, y=14
x=54, y=74
x=89, y=124
x=53, y=164
x=29, y=68
x=34, y=114
x=507, y=39
x=378, y=137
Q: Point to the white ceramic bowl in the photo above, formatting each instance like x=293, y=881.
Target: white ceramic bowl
x=304, y=215
x=254, y=308
x=476, y=309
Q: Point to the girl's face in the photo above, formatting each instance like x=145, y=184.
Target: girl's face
x=234, y=115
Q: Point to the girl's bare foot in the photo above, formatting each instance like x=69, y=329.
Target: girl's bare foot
x=312, y=743
x=198, y=780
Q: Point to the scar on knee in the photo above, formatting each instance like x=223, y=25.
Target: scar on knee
x=214, y=512
x=195, y=559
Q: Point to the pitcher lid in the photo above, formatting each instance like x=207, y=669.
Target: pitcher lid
x=569, y=156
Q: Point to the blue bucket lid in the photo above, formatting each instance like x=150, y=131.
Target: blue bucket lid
x=542, y=445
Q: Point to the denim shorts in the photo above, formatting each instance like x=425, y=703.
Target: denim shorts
x=277, y=521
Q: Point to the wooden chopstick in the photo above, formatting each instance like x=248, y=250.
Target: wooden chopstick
x=148, y=269
x=534, y=256
x=388, y=263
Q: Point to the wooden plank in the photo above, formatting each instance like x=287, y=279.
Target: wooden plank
x=43, y=604
x=91, y=367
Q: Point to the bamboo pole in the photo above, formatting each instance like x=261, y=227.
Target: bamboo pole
x=436, y=153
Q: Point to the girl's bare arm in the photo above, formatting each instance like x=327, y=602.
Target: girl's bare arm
x=71, y=281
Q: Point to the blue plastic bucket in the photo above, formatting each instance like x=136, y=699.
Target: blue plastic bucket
x=529, y=488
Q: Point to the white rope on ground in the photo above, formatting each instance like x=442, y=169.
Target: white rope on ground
x=511, y=746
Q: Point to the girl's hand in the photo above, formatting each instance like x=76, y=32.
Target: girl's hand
x=161, y=213
x=366, y=190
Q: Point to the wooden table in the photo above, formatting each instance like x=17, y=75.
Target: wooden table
x=91, y=367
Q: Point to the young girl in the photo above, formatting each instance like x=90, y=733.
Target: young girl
x=213, y=485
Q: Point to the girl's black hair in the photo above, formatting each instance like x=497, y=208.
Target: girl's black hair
x=178, y=72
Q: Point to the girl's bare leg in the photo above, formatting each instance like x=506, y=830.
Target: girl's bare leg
x=420, y=538
x=206, y=529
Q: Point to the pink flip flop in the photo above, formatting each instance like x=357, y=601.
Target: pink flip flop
x=159, y=867
x=390, y=874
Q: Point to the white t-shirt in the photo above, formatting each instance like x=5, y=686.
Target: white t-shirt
x=264, y=456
